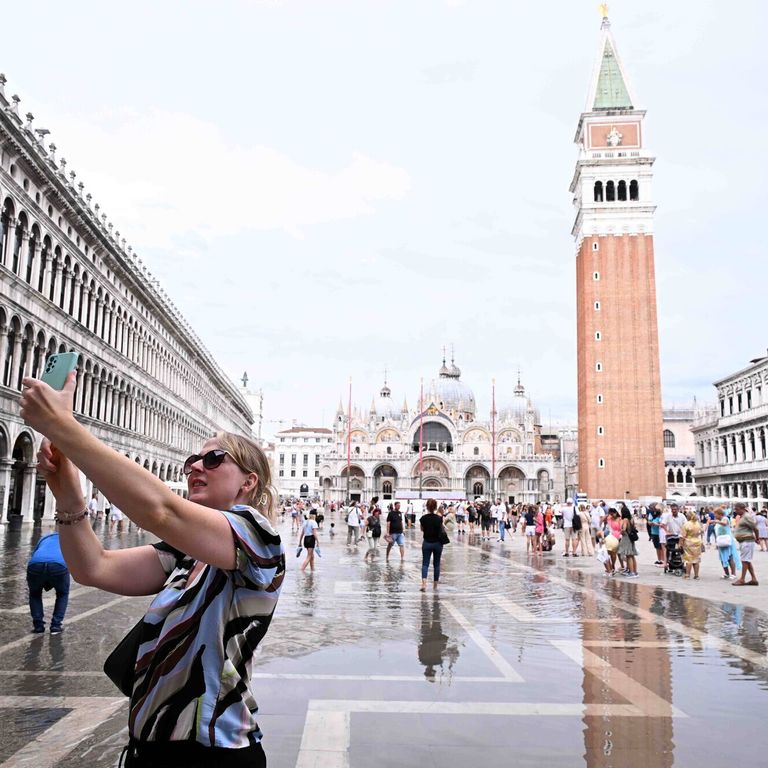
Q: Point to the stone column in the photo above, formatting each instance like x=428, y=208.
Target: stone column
x=3, y=351
x=33, y=262
x=13, y=372
x=68, y=281
x=57, y=278
x=47, y=276
x=31, y=346
x=109, y=393
x=28, y=491
x=23, y=254
x=86, y=401
x=10, y=243
x=5, y=484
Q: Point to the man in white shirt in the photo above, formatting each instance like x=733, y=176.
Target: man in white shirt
x=115, y=517
x=597, y=518
x=499, y=511
x=93, y=506
x=570, y=540
x=353, y=524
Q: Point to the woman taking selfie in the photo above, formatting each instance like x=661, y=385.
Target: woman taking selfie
x=216, y=574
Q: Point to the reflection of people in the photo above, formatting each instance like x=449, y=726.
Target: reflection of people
x=46, y=570
x=432, y=641
x=216, y=576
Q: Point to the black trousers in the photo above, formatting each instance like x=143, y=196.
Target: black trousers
x=190, y=754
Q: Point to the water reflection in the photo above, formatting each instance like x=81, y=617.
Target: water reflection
x=616, y=740
x=435, y=647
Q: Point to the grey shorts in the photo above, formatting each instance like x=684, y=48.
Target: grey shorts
x=746, y=550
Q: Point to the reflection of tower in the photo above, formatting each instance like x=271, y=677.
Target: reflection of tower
x=617, y=740
x=620, y=424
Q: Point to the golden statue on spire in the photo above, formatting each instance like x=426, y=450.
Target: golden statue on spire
x=604, y=10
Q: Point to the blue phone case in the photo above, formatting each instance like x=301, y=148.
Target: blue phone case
x=57, y=368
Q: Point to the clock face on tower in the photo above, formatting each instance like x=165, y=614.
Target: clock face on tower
x=613, y=139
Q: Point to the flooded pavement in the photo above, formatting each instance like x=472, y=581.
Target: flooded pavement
x=515, y=661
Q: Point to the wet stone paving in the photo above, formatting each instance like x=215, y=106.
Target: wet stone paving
x=517, y=661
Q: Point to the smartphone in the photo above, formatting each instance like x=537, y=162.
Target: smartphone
x=57, y=368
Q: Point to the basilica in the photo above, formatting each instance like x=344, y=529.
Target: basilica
x=443, y=448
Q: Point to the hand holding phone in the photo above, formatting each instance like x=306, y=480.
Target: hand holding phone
x=41, y=408
x=57, y=368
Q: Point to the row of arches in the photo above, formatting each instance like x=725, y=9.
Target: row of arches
x=510, y=481
x=25, y=490
x=743, y=445
x=753, y=489
x=612, y=191
x=75, y=288
x=679, y=477
x=101, y=394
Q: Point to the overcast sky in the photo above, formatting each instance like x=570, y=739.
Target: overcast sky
x=329, y=187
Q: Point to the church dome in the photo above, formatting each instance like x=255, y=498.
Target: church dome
x=449, y=393
x=383, y=405
x=517, y=409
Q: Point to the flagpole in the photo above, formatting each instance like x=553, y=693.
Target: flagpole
x=493, y=434
x=349, y=437
x=421, y=437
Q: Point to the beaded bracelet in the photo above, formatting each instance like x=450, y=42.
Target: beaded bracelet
x=69, y=520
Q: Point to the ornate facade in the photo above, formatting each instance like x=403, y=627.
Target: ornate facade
x=731, y=450
x=146, y=384
x=457, y=449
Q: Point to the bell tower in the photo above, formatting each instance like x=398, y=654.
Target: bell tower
x=621, y=452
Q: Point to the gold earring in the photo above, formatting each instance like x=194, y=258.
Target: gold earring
x=263, y=500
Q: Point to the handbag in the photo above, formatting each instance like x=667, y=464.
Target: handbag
x=443, y=536
x=120, y=665
x=723, y=540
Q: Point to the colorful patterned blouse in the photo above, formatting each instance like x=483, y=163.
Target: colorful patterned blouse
x=194, y=662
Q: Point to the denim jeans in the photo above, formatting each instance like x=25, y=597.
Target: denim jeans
x=428, y=550
x=502, y=529
x=46, y=576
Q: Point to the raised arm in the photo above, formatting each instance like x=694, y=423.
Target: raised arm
x=198, y=531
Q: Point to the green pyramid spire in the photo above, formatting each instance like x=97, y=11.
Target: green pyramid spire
x=611, y=91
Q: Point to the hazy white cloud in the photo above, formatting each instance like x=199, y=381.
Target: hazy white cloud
x=163, y=175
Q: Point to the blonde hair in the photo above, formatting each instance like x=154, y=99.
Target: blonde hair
x=250, y=458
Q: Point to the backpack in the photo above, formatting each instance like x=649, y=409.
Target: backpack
x=576, y=521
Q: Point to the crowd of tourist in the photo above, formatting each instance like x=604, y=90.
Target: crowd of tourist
x=610, y=533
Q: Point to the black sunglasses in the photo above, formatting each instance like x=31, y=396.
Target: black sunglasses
x=211, y=460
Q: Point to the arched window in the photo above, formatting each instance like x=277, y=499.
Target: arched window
x=669, y=439
x=689, y=477
x=477, y=489
x=476, y=451
x=598, y=191
x=622, y=190
x=671, y=476
x=680, y=476
x=610, y=192
x=634, y=190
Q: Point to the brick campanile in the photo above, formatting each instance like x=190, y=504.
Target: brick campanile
x=621, y=451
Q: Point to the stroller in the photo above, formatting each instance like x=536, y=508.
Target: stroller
x=674, y=558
